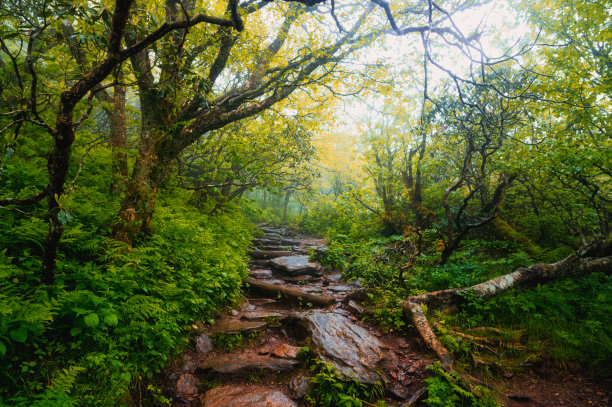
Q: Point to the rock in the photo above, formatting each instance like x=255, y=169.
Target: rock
x=234, y=312
x=286, y=351
x=187, y=386
x=295, y=265
x=299, y=386
x=189, y=365
x=259, y=263
x=252, y=396
x=228, y=326
x=334, y=277
x=261, y=273
x=354, y=307
x=278, y=231
x=233, y=363
x=339, y=288
x=356, y=284
x=269, y=254
x=204, y=344
x=299, y=279
x=351, y=349
x=273, y=281
x=398, y=391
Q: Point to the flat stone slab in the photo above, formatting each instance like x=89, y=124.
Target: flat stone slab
x=295, y=265
x=338, y=288
x=269, y=254
x=351, y=349
x=261, y=273
x=272, y=281
x=300, y=279
x=230, y=326
x=252, y=396
x=234, y=363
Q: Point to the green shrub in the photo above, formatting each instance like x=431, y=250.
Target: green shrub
x=114, y=317
x=443, y=390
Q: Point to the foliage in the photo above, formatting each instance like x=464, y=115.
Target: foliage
x=330, y=389
x=114, y=317
x=443, y=390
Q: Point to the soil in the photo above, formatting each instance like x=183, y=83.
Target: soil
x=550, y=385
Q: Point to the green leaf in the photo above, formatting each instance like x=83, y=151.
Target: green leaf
x=2, y=349
x=76, y=330
x=19, y=335
x=92, y=320
x=111, y=320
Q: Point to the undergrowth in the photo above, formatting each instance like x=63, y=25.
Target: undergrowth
x=568, y=320
x=444, y=390
x=114, y=316
x=330, y=389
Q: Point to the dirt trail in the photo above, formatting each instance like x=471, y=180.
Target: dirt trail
x=265, y=372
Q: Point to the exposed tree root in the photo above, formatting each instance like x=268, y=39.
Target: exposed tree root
x=416, y=396
x=289, y=294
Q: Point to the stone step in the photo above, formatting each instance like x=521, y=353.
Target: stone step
x=269, y=254
x=252, y=396
x=237, y=363
x=295, y=265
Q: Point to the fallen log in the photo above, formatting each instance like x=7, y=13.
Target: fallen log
x=287, y=293
x=595, y=258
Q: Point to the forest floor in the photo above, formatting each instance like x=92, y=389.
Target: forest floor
x=254, y=355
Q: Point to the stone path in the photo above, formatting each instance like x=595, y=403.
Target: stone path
x=292, y=302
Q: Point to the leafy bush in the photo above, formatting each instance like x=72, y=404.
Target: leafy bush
x=443, y=390
x=330, y=389
x=114, y=317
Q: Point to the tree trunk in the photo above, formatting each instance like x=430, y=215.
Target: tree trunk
x=286, y=203
x=288, y=293
x=449, y=248
x=594, y=258
x=118, y=141
x=138, y=204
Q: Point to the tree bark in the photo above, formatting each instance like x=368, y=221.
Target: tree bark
x=290, y=294
x=594, y=258
x=118, y=140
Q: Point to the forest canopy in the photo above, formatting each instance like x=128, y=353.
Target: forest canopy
x=434, y=144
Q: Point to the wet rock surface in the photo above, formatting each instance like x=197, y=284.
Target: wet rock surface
x=351, y=349
x=204, y=344
x=236, y=363
x=295, y=265
x=187, y=386
x=253, y=396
